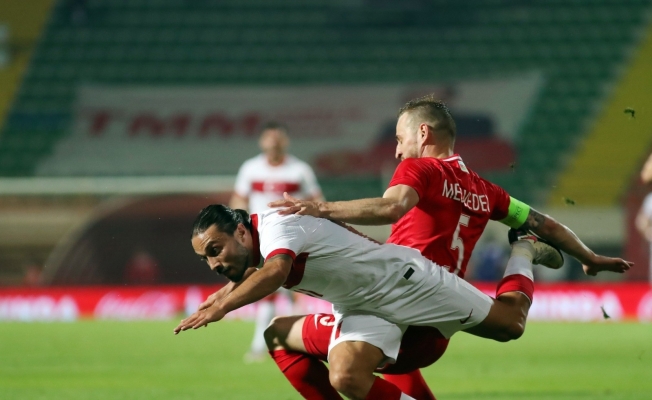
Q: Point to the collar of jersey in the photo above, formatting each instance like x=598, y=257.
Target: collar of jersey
x=454, y=157
x=255, y=239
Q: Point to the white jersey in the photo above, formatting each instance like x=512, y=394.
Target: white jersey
x=357, y=274
x=646, y=210
x=262, y=183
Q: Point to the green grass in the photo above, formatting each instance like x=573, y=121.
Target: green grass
x=144, y=360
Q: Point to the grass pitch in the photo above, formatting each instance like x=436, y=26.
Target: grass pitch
x=144, y=360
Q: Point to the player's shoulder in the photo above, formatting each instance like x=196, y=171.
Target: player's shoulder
x=255, y=162
x=271, y=217
x=296, y=162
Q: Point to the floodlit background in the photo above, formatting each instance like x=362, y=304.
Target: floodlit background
x=121, y=119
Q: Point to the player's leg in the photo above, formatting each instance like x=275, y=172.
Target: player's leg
x=421, y=346
x=508, y=314
x=412, y=384
x=288, y=348
x=264, y=315
x=359, y=345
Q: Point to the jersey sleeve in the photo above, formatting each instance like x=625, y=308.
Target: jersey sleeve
x=309, y=182
x=415, y=175
x=243, y=181
x=500, y=200
x=282, y=235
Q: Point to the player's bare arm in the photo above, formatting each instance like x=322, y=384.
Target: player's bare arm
x=239, y=202
x=224, y=290
x=395, y=203
x=260, y=284
x=561, y=236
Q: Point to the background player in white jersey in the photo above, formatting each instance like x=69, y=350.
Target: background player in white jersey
x=262, y=179
x=376, y=290
x=644, y=216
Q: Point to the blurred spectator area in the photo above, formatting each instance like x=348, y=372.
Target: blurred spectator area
x=578, y=46
x=5, y=55
x=98, y=231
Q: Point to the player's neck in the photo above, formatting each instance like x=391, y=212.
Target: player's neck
x=437, y=152
x=276, y=161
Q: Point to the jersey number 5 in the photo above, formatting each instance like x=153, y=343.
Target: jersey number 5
x=458, y=243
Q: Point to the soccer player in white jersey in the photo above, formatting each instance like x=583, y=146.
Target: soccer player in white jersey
x=262, y=179
x=376, y=290
x=644, y=216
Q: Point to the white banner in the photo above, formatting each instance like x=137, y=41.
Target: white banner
x=212, y=130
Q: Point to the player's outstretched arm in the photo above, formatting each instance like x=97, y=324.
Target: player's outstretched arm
x=260, y=284
x=561, y=236
x=395, y=203
x=224, y=290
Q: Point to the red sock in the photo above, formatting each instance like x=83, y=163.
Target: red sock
x=383, y=390
x=308, y=375
x=516, y=283
x=412, y=384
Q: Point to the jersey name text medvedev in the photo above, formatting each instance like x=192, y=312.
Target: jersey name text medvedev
x=471, y=200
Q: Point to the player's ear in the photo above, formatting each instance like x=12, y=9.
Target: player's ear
x=425, y=132
x=240, y=230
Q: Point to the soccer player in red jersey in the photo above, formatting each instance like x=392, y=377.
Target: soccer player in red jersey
x=440, y=207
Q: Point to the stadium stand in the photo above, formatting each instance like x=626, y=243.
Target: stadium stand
x=579, y=45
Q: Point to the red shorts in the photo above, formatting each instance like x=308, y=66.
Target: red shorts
x=420, y=347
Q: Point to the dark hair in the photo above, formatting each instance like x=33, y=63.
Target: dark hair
x=275, y=126
x=429, y=109
x=224, y=217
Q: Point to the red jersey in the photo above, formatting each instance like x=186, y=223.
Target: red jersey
x=454, y=207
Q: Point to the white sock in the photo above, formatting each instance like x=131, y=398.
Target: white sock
x=406, y=397
x=264, y=316
x=520, y=262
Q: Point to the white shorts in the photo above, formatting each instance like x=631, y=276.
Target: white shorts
x=355, y=327
x=441, y=300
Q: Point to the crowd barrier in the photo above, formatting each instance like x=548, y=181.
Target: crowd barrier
x=552, y=302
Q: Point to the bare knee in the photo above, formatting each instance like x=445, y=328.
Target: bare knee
x=511, y=331
x=349, y=383
x=285, y=333
x=273, y=333
x=344, y=382
x=351, y=368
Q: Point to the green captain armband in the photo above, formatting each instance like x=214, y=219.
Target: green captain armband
x=517, y=213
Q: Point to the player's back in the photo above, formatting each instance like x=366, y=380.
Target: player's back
x=338, y=264
x=454, y=207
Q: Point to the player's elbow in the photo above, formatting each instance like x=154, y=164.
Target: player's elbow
x=549, y=228
x=395, y=211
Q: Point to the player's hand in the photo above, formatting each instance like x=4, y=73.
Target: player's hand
x=292, y=205
x=210, y=300
x=201, y=318
x=601, y=263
